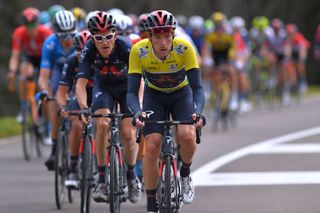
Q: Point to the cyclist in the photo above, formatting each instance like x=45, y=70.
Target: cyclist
x=80, y=15
x=67, y=82
x=219, y=45
x=55, y=50
x=299, y=50
x=316, y=49
x=27, y=41
x=172, y=82
x=108, y=55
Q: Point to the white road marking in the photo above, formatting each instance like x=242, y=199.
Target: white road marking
x=291, y=149
x=202, y=176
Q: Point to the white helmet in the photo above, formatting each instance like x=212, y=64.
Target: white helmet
x=115, y=12
x=124, y=23
x=64, y=21
x=196, y=22
x=237, y=22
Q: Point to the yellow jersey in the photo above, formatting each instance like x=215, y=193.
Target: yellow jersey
x=166, y=75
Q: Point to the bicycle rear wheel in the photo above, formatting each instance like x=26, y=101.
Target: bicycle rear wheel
x=61, y=168
x=86, y=165
x=115, y=185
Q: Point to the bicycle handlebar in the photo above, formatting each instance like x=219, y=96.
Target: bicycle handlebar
x=170, y=123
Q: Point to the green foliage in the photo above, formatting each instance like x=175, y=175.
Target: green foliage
x=9, y=127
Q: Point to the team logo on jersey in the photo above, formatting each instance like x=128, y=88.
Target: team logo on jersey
x=143, y=52
x=180, y=49
x=83, y=53
x=50, y=46
x=173, y=67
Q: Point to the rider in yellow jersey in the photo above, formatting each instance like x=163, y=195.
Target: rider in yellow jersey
x=172, y=83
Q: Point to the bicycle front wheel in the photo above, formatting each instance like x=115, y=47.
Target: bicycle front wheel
x=27, y=135
x=61, y=169
x=115, y=186
x=86, y=165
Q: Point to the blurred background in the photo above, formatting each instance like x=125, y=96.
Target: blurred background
x=305, y=14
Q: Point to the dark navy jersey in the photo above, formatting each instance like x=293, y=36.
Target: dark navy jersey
x=70, y=73
x=107, y=71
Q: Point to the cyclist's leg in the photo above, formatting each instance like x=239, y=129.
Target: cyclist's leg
x=182, y=110
x=153, y=137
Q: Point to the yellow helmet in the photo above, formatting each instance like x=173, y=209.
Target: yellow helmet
x=218, y=17
x=79, y=13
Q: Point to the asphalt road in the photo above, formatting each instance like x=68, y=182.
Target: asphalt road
x=268, y=164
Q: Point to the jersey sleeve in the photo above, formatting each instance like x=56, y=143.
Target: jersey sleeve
x=191, y=61
x=47, y=53
x=85, y=61
x=68, y=72
x=16, y=40
x=135, y=65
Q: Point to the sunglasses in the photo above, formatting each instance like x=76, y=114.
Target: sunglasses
x=157, y=30
x=101, y=38
x=66, y=36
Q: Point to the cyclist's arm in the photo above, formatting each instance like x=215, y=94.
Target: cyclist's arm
x=81, y=92
x=43, y=81
x=194, y=79
x=14, y=61
x=62, y=95
x=134, y=81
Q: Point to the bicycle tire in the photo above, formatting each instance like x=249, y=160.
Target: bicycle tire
x=115, y=186
x=27, y=135
x=61, y=169
x=85, y=173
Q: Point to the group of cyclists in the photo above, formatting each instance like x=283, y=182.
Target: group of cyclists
x=89, y=61
x=88, y=67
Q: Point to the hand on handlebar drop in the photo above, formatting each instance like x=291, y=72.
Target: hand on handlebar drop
x=85, y=115
x=200, y=120
x=138, y=119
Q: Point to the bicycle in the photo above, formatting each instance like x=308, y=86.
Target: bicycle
x=62, y=164
x=32, y=130
x=169, y=188
x=87, y=166
x=115, y=174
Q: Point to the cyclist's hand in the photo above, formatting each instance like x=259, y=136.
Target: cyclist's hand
x=11, y=76
x=63, y=112
x=200, y=120
x=41, y=96
x=85, y=115
x=138, y=119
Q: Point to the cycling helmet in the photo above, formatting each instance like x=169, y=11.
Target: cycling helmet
x=79, y=13
x=44, y=17
x=291, y=28
x=196, y=22
x=64, y=22
x=101, y=22
x=142, y=22
x=30, y=15
x=218, y=17
x=80, y=39
x=54, y=9
x=237, y=22
x=115, y=11
x=124, y=24
x=182, y=20
x=160, y=20
x=276, y=24
x=260, y=22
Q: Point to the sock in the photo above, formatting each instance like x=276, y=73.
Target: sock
x=102, y=174
x=152, y=204
x=131, y=175
x=74, y=163
x=54, y=146
x=185, y=170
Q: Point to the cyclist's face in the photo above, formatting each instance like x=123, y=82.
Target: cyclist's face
x=104, y=42
x=161, y=43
